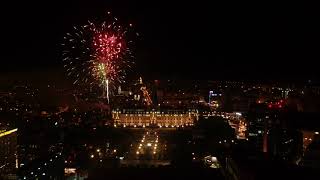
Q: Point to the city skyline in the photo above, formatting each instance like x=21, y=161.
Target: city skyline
x=104, y=89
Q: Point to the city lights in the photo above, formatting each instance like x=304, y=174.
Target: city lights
x=8, y=132
x=219, y=92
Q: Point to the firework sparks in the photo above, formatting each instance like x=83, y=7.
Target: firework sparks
x=98, y=53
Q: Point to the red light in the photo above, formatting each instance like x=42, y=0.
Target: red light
x=269, y=106
x=281, y=101
x=280, y=106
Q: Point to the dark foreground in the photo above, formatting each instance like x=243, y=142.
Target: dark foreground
x=155, y=173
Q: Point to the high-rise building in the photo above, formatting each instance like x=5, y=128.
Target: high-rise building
x=8, y=153
x=311, y=156
x=285, y=144
x=260, y=121
x=256, y=130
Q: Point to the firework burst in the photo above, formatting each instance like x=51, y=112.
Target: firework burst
x=98, y=53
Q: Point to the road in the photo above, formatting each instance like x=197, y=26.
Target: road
x=149, y=150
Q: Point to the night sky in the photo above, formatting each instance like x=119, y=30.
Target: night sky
x=189, y=40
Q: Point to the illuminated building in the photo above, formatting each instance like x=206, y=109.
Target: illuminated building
x=214, y=96
x=256, y=131
x=214, y=99
x=142, y=118
x=8, y=153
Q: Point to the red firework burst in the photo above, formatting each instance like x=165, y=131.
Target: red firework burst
x=97, y=52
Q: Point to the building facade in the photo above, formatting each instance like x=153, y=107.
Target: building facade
x=145, y=118
x=8, y=153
